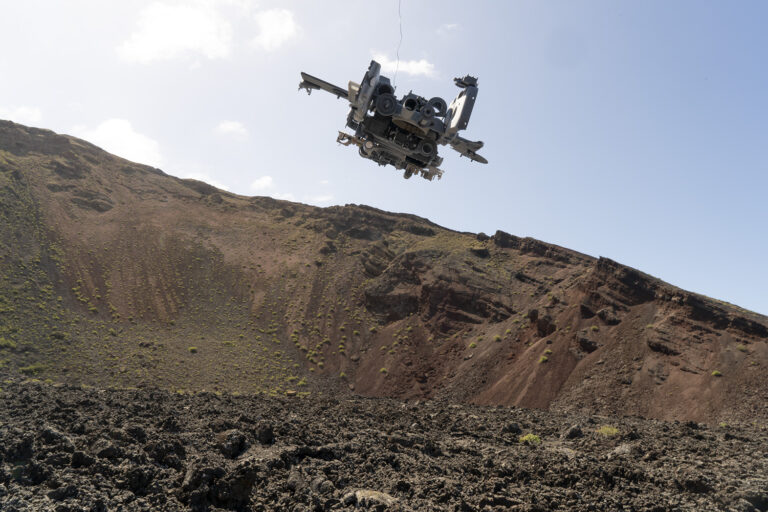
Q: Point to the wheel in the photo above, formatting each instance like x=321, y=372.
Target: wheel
x=440, y=106
x=386, y=104
x=427, y=149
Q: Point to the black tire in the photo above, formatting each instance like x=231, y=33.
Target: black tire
x=440, y=106
x=386, y=104
x=427, y=149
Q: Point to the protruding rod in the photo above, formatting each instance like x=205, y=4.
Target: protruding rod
x=310, y=82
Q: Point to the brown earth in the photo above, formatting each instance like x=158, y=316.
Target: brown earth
x=115, y=274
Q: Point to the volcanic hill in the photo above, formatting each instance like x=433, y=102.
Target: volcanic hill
x=114, y=274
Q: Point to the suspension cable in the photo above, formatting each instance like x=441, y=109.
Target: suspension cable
x=397, y=66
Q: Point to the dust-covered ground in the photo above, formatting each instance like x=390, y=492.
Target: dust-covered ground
x=68, y=449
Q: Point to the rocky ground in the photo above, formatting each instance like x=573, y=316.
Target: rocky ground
x=66, y=448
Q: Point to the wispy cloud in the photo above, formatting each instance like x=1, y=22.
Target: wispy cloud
x=410, y=67
x=168, y=31
x=262, y=184
x=447, y=28
x=276, y=28
x=286, y=196
x=21, y=114
x=320, y=200
x=118, y=137
x=232, y=128
x=204, y=29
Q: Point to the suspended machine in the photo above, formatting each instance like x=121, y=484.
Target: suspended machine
x=405, y=132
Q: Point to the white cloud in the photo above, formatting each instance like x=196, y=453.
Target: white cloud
x=205, y=178
x=409, y=67
x=324, y=182
x=233, y=128
x=21, y=114
x=287, y=196
x=172, y=30
x=118, y=137
x=276, y=28
x=447, y=28
x=263, y=183
x=318, y=200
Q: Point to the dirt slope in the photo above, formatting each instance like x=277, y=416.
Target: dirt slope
x=115, y=274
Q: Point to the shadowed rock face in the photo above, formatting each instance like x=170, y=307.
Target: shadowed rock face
x=88, y=449
x=114, y=273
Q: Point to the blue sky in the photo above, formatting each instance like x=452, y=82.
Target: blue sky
x=632, y=130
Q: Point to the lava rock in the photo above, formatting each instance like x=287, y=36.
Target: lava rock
x=265, y=433
x=232, y=443
x=573, y=432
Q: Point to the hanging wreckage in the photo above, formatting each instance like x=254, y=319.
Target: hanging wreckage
x=403, y=132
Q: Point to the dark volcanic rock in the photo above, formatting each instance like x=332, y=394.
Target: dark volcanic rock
x=232, y=443
x=360, y=454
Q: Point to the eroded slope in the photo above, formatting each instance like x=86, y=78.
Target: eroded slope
x=115, y=274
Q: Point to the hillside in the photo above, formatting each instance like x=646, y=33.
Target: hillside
x=114, y=274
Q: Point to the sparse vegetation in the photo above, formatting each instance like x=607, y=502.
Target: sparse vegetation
x=607, y=431
x=4, y=343
x=33, y=369
x=530, y=439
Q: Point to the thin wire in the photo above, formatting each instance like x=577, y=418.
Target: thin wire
x=397, y=66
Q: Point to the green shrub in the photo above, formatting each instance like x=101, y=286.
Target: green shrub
x=594, y=328
x=607, y=431
x=383, y=370
x=4, y=343
x=716, y=373
x=32, y=369
x=543, y=359
x=472, y=345
x=497, y=338
x=192, y=350
x=530, y=439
